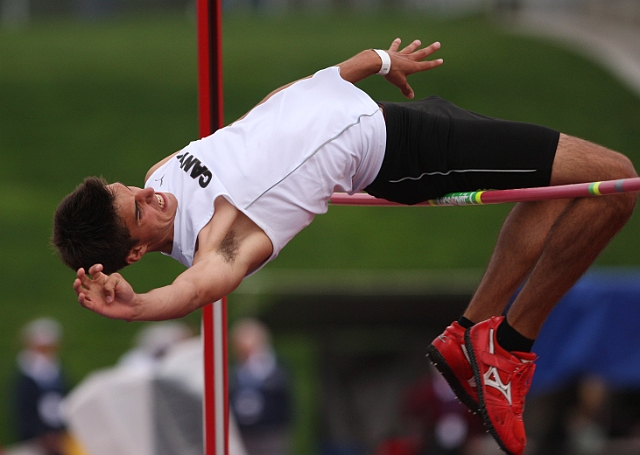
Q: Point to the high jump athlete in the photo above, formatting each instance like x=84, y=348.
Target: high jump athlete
x=226, y=205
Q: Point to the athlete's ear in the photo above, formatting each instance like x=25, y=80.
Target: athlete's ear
x=136, y=253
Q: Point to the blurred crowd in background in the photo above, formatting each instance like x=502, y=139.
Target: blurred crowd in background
x=150, y=404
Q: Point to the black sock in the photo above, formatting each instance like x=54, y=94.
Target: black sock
x=465, y=323
x=512, y=340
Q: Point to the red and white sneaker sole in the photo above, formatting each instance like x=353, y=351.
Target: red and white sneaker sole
x=446, y=371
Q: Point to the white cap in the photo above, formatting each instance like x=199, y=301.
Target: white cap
x=42, y=332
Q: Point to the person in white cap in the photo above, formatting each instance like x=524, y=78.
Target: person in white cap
x=40, y=386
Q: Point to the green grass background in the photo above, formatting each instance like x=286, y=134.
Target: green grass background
x=112, y=98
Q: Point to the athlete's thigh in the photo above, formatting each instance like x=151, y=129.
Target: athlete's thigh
x=578, y=160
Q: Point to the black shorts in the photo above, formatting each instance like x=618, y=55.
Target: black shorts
x=434, y=147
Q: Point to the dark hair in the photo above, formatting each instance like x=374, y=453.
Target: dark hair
x=87, y=230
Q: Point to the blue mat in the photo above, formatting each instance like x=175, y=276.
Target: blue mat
x=594, y=330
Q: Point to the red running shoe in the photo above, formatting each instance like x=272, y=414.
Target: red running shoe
x=449, y=355
x=504, y=379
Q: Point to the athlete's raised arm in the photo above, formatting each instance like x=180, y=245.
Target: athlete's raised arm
x=404, y=62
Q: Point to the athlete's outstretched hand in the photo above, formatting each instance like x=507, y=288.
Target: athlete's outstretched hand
x=410, y=60
x=108, y=295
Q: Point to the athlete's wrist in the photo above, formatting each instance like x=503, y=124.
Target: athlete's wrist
x=385, y=59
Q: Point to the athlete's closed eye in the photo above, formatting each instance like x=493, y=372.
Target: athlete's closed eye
x=138, y=213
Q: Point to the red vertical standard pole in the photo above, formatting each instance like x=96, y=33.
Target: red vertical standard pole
x=214, y=316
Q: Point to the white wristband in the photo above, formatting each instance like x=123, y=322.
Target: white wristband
x=386, y=62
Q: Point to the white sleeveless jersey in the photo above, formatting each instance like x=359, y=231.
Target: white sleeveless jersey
x=280, y=164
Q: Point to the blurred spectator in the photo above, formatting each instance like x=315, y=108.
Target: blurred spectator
x=148, y=404
x=259, y=391
x=438, y=424
x=589, y=421
x=153, y=342
x=574, y=419
x=40, y=386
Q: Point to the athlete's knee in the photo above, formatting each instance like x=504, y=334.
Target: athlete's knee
x=626, y=168
x=622, y=204
x=578, y=160
x=615, y=165
x=619, y=207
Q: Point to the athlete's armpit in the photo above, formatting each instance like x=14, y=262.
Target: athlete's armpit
x=229, y=247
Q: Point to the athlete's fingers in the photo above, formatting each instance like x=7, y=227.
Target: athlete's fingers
x=421, y=54
x=117, y=286
x=109, y=287
x=82, y=299
x=395, y=44
x=429, y=64
x=415, y=44
x=402, y=83
x=89, y=303
x=430, y=49
x=83, y=278
x=425, y=65
x=407, y=91
x=96, y=271
x=77, y=286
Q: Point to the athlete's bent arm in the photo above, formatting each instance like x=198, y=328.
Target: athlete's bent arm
x=112, y=296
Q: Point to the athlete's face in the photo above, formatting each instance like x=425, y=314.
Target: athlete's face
x=148, y=215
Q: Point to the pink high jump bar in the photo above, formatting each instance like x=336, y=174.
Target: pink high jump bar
x=575, y=190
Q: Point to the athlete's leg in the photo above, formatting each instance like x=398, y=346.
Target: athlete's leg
x=525, y=230
x=572, y=234
x=580, y=233
x=554, y=241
